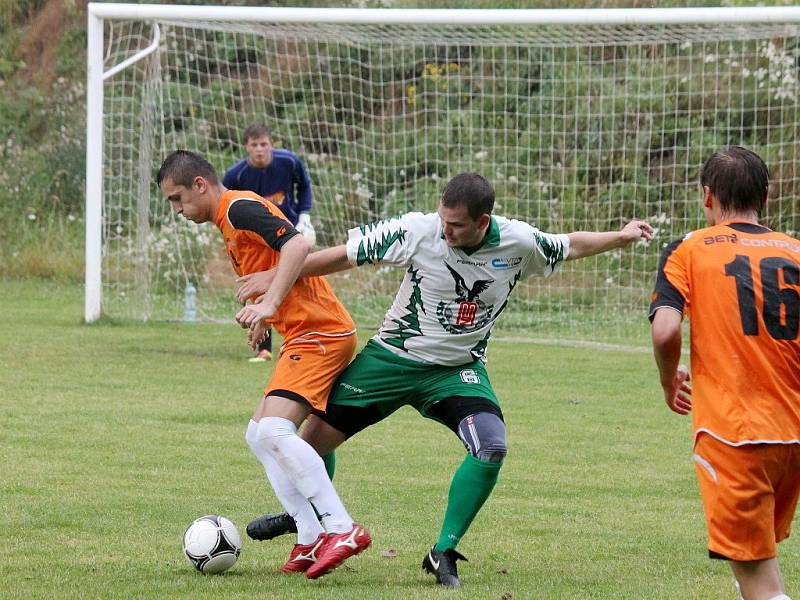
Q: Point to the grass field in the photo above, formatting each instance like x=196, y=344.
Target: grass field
x=113, y=437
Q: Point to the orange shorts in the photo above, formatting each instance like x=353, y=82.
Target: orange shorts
x=749, y=496
x=308, y=367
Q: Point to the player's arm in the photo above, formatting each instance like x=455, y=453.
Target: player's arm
x=674, y=377
x=327, y=261
x=322, y=262
x=293, y=254
x=279, y=235
x=666, y=314
x=589, y=243
x=305, y=197
x=383, y=242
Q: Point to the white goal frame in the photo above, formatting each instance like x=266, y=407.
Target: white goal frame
x=97, y=12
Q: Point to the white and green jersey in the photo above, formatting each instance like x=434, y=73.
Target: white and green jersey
x=450, y=298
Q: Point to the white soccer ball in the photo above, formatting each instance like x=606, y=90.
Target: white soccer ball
x=212, y=544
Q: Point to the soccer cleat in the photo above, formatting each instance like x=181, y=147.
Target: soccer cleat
x=338, y=547
x=443, y=565
x=270, y=526
x=303, y=556
x=262, y=356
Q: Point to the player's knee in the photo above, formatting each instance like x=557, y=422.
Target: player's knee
x=484, y=436
x=493, y=453
x=251, y=436
x=274, y=432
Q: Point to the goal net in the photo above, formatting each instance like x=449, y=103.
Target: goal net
x=578, y=125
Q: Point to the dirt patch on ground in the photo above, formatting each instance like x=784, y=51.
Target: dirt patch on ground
x=39, y=47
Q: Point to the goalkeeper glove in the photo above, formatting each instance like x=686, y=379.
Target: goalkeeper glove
x=306, y=229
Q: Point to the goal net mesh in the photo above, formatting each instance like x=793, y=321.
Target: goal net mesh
x=577, y=127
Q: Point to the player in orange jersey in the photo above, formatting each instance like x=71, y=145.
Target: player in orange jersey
x=319, y=341
x=739, y=284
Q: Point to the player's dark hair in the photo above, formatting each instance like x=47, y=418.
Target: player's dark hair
x=470, y=190
x=255, y=131
x=738, y=178
x=183, y=166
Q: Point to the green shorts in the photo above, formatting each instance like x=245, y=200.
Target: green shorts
x=379, y=382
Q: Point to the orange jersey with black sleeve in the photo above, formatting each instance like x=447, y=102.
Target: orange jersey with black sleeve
x=254, y=231
x=739, y=284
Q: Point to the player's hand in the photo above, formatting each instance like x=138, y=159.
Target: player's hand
x=257, y=334
x=636, y=230
x=306, y=229
x=253, y=285
x=252, y=313
x=678, y=395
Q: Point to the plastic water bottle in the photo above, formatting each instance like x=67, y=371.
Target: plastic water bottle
x=190, y=303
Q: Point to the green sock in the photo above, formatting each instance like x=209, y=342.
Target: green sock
x=330, y=464
x=472, y=484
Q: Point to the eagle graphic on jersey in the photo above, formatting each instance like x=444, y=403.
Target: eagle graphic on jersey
x=464, y=293
x=467, y=312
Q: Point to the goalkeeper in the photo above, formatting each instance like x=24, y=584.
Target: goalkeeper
x=461, y=265
x=281, y=177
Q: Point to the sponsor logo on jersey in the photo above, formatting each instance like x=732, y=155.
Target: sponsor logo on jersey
x=472, y=263
x=470, y=376
x=756, y=243
x=720, y=239
x=467, y=312
x=506, y=263
x=352, y=388
x=276, y=198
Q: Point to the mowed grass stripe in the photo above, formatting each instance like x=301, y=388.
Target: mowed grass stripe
x=113, y=437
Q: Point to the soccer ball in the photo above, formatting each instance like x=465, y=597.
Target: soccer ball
x=212, y=544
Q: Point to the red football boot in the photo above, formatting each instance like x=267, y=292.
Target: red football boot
x=303, y=556
x=338, y=547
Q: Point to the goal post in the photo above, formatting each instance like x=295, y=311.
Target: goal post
x=579, y=117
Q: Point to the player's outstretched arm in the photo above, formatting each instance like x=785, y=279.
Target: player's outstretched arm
x=293, y=255
x=327, y=261
x=323, y=262
x=589, y=243
x=666, y=334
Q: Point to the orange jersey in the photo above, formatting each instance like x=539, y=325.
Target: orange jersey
x=739, y=283
x=254, y=231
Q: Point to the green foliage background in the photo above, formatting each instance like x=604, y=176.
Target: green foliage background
x=42, y=132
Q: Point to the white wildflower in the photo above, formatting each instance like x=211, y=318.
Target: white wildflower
x=363, y=193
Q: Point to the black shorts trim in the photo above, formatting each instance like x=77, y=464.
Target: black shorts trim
x=717, y=556
x=349, y=420
x=451, y=411
x=289, y=394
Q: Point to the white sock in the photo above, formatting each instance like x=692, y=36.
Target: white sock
x=293, y=502
x=780, y=597
x=305, y=469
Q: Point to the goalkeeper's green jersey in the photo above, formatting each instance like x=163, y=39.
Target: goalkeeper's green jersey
x=450, y=298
